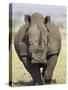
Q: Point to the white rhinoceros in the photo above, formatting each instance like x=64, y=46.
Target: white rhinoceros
x=38, y=43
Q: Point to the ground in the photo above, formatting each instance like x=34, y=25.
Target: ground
x=20, y=76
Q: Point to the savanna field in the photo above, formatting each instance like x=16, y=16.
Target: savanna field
x=20, y=76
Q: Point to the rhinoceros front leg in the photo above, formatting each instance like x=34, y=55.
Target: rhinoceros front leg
x=34, y=70
x=47, y=72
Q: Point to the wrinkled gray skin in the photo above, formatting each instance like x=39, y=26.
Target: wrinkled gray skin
x=53, y=46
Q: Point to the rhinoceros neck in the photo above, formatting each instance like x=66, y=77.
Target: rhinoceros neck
x=37, y=17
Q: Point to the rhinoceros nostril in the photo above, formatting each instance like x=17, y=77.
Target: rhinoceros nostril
x=39, y=50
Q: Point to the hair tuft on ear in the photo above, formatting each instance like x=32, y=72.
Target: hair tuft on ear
x=27, y=19
x=47, y=19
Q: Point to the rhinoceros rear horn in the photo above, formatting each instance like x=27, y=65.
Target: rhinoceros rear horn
x=47, y=19
x=27, y=19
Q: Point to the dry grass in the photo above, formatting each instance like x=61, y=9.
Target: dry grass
x=60, y=69
x=20, y=76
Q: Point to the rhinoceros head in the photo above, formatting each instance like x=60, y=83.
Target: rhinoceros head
x=37, y=37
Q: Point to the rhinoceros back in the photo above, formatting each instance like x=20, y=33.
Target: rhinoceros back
x=54, y=39
x=19, y=42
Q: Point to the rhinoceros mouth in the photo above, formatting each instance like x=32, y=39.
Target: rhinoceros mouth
x=38, y=56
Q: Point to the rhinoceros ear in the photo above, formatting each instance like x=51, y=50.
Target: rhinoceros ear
x=47, y=19
x=27, y=19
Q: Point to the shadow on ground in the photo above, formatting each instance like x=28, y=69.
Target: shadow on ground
x=21, y=83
